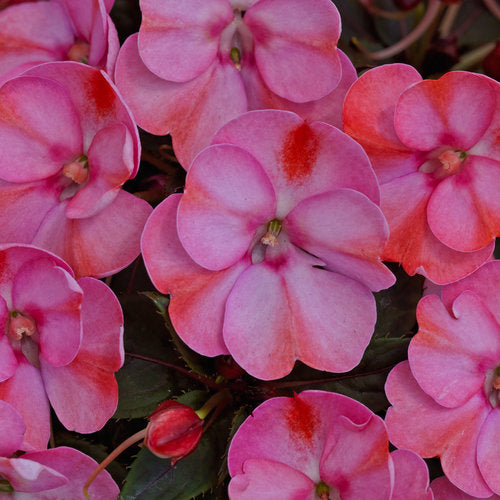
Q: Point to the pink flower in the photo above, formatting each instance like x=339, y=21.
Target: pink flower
x=444, y=490
x=174, y=431
x=275, y=248
x=67, y=145
x=446, y=399
x=195, y=65
x=314, y=445
x=434, y=147
x=32, y=33
x=60, y=342
x=55, y=474
x=411, y=477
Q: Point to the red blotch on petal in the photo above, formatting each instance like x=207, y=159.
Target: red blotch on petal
x=100, y=95
x=299, y=153
x=301, y=420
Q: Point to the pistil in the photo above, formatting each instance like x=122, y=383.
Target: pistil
x=451, y=160
x=79, y=52
x=21, y=326
x=273, y=231
x=78, y=170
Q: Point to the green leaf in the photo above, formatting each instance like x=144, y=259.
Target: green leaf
x=144, y=383
x=153, y=478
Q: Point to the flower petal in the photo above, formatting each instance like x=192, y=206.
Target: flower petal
x=11, y=428
x=411, y=477
x=179, y=40
x=8, y=361
x=488, y=455
x=227, y=197
x=291, y=34
x=451, y=433
x=350, y=241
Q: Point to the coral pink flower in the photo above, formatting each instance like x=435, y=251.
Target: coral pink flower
x=32, y=33
x=446, y=399
x=55, y=474
x=67, y=144
x=195, y=65
x=60, y=342
x=314, y=445
x=434, y=147
x=275, y=248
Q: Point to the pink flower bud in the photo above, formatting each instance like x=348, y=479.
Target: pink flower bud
x=174, y=431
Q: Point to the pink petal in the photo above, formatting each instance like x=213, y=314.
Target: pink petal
x=27, y=476
x=110, y=159
x=39, y=129
x=292, y=431
x=55, y=307
x=350, y=242
x=23, y=208
x=356, y=459
x=269, y=480
x=443, y=489
x=26, y=393
x=8, y=361
x=411, y=242
x=453, y=111
x=194, y=291
x=463, y=211
x=32, y=33
x=291, y=34
x=11, y=429
x=300, y=159
x=369, y=118
x=95, y=97
x=227, y=197
x=488, y=455
x=451, y=354
x=451, y=433
x=180, y=40
x=192, y=111
x=327, y=109
x=483, y=283
x=100, y=245
x=276, y=314
x=77, y=467
x=411, y=477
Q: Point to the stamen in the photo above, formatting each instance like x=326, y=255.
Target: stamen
x=79, y=52
x=78, y=170
x=235, y=56
x=20, y=326
x=273, y=231
x=451, y=160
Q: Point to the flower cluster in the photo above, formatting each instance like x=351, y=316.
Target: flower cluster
x=300, y=180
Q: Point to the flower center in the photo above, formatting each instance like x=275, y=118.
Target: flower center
x=79, y=52
x=451, y=160
x=273, y=231
x=236, y=40
x=20, y=326
x=5, y=486
x=325, y=492
x=492, y=386
x=78, y=170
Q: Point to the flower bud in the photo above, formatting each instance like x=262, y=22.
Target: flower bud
x=174, y=431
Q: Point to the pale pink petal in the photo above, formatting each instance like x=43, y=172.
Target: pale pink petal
x=369, y=118
x=300, y=159
x=300, y=426
x=194, y=291
x=463, y=211
x=417, y=422
x=269, y=480
x=488, y=455
x=11, y=429
x=50, y=295
x=451, y=354
x=95, y=97
x=77, y=467
x=327, y=109
x=100, y=245
x=26, y=393
x=411, y=477
x=39, y=129
x=180, y=40
x=484, y=283
x=29, y=477
x=113, y=48
x=8, y=361
x=192, y=112
x=33, y=33
x=350, y=241
x=454, y=111
x=227, y=197
x=356, y=459
x=23, y=207
x=411, y=242
x=291, y=34
x=443, y=489
x=110, y=160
